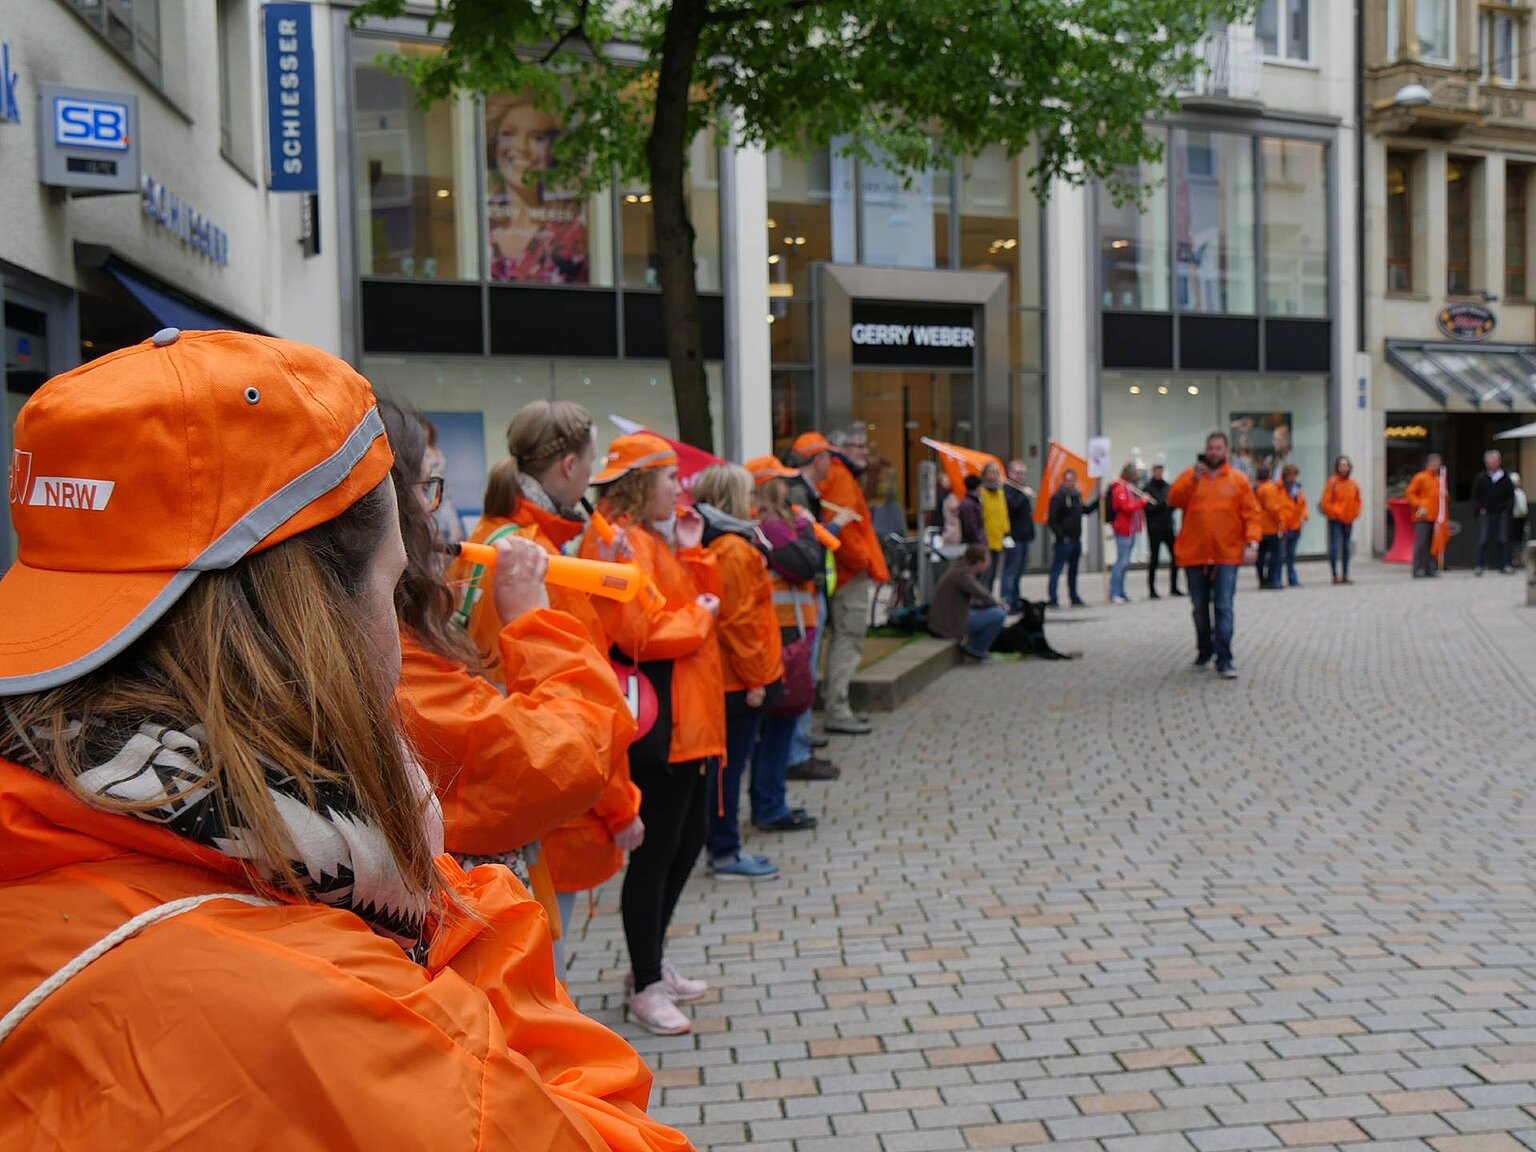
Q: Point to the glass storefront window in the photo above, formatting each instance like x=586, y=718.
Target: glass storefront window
x=789, y=333
x=899, y=408
x=802, y=202
x=416, y=173
x=1133, y=244
x=1517, y=182
x=989, y=216
x=1213, y=215
x=1399, y=222
x=898, y=219
x=638, y=225
x=792, y=394
x=1458, y=225
x=1295, y=227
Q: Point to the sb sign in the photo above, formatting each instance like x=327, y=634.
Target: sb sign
x=1467, y=321
x=100, y=124
x=88, y=140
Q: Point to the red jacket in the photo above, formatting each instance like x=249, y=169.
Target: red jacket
x=1127, y=507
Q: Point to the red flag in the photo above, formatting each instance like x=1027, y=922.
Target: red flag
x=1442, y=520
x=1057, y=461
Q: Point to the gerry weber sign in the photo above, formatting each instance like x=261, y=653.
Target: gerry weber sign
x=1466, y=321
x=921, y=334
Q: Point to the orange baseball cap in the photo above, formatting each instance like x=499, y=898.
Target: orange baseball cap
x=809, y=444
x=766, y=468
x=640, y=450
x=136, y=472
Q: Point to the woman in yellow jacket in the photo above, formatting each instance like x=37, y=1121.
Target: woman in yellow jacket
x=750, y=656
x=682, y=727
x=510, y=761
x=1341, y=505
x=302, y=969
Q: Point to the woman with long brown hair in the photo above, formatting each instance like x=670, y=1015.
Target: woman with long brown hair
x=675, y=651
x=513, y=760
x=198, y=759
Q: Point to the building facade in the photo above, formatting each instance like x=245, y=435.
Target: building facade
x=1450, y=309
x=1224, y=297
x=134, y=178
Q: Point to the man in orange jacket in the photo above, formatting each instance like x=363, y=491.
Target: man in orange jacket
x=1220, y=532
x=1424, y=496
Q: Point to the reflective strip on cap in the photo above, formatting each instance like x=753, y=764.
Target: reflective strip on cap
x=236, y=543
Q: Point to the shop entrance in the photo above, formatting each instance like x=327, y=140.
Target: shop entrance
x=900, y=407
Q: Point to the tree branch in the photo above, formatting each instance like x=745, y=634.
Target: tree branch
x=577, y=31
x=747, y=12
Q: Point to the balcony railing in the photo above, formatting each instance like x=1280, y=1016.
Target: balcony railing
x=1230, y=66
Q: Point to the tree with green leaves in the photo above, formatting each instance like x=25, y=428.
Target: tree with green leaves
x=637, y=80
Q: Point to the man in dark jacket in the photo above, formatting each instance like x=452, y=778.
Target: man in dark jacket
x=1021, y=530
x=1066, y=520
x=973, y=523
x=1493, y=497
x=1160, y=533
x=963, y=610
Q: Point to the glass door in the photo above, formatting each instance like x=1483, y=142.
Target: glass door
x=901, y=406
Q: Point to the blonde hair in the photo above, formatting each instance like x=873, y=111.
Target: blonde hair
x=502, y=491
x=265, y=657
x=630, y=495
x=727, y=487
x=773, y=497
x=545, y=431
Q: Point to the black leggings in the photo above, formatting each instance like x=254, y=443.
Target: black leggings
x=672, y=805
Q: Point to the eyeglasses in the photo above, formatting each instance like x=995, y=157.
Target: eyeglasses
x=431, y=492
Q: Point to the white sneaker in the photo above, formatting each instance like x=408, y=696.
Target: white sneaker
x=1120, y=600
x=654, y=1010
x=683, y=989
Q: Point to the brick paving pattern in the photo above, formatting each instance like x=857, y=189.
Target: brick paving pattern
x=1294, y=911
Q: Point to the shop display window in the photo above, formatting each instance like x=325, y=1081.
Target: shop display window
x=638, y=224
x=1134, y=251
x=1295, y=227
x=1213, y=214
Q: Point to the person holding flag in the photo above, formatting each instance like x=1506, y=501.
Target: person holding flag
x=1424, y=496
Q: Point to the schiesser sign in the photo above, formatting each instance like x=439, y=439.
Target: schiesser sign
x=1467, y=321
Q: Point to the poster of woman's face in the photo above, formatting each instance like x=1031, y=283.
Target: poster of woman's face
x=1261, y=438
x=537, y=234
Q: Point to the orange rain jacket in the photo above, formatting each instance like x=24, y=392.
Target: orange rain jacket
x=682, y=632
x=748, y=629
x=245, y=1028
x=1271, y=502
x=1293, y=509
x=580, y=854
x=1424, y=494
x=1220, y=517
x=861, y=553
x=1341, y=499
x=509, y=768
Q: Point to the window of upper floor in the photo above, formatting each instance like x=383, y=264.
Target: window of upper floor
x=1400, y=207
x=1431, y=34
x=1284, y=29
x=131, y=27
x=1501, y=32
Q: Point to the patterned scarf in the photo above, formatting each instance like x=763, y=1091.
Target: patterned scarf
x=340, y=859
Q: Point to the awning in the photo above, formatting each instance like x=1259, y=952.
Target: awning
x=1505, y=373
x=1524, y=432
x=167, y=309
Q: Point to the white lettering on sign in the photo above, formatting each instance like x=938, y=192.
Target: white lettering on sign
x=907, y=335
x=71, y=492
x=184, y=221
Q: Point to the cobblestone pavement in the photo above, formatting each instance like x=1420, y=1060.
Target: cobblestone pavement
x=1118, y=905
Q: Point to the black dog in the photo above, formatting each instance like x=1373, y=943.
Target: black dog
x=1026, y=635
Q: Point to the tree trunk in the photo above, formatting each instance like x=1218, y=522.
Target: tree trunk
x=667, y=151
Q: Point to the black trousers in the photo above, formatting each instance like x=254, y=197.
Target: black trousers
x=1156, y=542
x=672, y=805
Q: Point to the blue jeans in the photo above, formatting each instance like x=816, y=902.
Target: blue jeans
x=566, y=903
x=1289, y=540
x=770, y=765
x=800, y=746
x=724, y=798
x=1211, y=590
x=982, y=628
x=1339, y=534
x=1015, y=562
x=1123, y=545
x=1494, y=526
x=1066, y=554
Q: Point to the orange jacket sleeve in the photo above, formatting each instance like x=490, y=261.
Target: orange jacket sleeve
x=1326, y=504
x=861, y=552
x=1183, y=489
x=509, y=768
x=750, y=659
x=1251, y=516
x=1424, y=494
x=679, y=629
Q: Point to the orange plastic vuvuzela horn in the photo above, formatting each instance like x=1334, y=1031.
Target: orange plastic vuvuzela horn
x=621, y=582
x=828, y=541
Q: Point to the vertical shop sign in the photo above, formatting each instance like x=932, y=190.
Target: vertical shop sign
x=291, y=136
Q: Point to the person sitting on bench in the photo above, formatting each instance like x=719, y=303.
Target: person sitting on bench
x=963, y=610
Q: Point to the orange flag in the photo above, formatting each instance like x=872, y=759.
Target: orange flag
x=1057, y=461
x=1442, y=535
x=961, y=462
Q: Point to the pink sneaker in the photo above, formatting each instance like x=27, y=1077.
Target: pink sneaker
x=683, y=990
x=654, y=1010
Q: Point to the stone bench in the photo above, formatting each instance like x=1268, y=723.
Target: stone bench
x=887, y=683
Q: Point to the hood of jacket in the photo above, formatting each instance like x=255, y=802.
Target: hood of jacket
x=718, y=524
